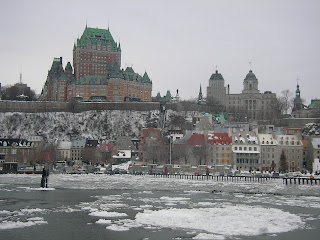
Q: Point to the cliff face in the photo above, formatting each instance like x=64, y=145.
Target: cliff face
x=55, y=126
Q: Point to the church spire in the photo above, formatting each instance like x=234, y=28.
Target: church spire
x=200, y=94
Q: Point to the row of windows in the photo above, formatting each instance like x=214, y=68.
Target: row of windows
x=241, y=160
x=245, y=148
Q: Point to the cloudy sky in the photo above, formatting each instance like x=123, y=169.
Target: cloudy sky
x=179, y=43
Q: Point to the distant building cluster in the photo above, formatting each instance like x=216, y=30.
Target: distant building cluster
x=212, y=144
x=239, y=146
x=250, y=104
x=96, y=74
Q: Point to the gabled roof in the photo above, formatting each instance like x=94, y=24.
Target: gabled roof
x=197, y=140
x=288, y=140
x=267, y=139
x=79, y=143
x=219, y=139
x=64, y=145
x=204, y=124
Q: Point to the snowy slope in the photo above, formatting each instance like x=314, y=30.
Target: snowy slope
x=64, y=126
x=61, y=125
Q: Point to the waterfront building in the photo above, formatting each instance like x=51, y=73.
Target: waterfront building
x=77, y=149
x=17, y=150
x=292, y=146
x=246, y=151
x=269, y=156
x=313, y=152
x=220, y=149
x=64, y=151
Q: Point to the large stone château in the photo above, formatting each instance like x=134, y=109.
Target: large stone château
x=96, y=73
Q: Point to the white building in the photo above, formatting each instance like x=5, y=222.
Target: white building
x=316, y=165
x=246, y=151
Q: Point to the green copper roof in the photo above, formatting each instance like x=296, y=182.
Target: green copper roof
x=250, y=75
x=314, y=103
x=168, y=94
x=216, y=76
x=68, y=67
x=92, y=80
x=146, y=78
x=93, y=35
x=115, y=72
x=56, y=67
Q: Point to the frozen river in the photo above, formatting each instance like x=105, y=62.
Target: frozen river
x=144, y=207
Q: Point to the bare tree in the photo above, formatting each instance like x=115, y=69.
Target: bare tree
x=201, y=154
x=285, y=102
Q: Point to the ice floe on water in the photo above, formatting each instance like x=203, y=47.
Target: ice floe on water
x=230, y=220
x=21, y=224
x=108, y=214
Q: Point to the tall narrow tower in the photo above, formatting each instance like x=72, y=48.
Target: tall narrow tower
x=216, y=89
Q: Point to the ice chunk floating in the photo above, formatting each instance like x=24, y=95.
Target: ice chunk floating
x=224, y=220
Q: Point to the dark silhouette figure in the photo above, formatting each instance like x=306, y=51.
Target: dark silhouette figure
x=44, y=179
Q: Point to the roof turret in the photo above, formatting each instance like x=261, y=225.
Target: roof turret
x=146, y=78
x=68, y=67
x=251, y=75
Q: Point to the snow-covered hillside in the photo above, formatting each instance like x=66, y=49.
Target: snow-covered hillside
x=106, y=124
x=64, y=125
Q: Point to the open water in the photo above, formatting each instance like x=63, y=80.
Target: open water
x=144, y=207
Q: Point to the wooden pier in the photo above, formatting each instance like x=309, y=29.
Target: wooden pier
x=295, y=180
x=216, y=178
x=301, y=180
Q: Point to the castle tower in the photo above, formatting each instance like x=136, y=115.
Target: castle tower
x=93, y=51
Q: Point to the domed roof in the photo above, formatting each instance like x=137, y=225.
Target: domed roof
x=216, y=76
x=251, y=75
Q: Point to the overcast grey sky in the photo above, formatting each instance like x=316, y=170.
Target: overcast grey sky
x=179, y=43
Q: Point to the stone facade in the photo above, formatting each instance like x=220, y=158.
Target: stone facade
x=292, y=146
x=245, y=106
x=97, y=75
